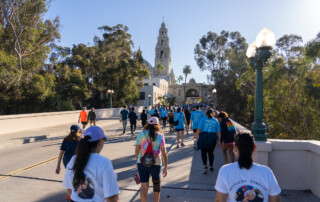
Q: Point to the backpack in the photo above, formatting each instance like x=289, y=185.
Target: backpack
x=148, y=159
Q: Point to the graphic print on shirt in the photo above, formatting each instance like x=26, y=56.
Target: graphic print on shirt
x=247, y=193
x=85, y=190
x=230, y=126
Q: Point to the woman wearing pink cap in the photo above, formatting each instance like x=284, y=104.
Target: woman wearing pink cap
x=151, y=137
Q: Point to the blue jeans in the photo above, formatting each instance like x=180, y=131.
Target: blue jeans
x=145, y=172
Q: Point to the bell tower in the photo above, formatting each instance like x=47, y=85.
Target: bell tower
x=163, y=52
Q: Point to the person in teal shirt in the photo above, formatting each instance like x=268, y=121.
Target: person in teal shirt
x=196, y=116
x=163, y=115
x=152, y=111
x=208, y=133
x=179, y=116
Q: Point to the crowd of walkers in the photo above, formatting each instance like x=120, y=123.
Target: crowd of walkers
x=89, y=176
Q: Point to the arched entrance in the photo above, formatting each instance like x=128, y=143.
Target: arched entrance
x=192, y=96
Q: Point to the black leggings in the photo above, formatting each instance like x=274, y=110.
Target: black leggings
x=204, y=153
x=133, y=126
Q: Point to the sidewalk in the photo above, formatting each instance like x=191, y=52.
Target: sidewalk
x=29, y=136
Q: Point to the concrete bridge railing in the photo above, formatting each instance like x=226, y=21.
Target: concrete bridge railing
x=22, y=122
x=295, y=163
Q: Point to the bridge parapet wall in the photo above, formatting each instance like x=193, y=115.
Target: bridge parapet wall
x=22, y=122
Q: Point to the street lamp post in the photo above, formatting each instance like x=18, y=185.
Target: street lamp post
x=259, y=52
x=209, y=99
x=110, y=92
x=149, y=96
x=214, y=91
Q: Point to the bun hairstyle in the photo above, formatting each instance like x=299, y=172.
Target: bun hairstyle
x=210, y=114
x=223, y=115
x=244, y=141
x=83, y=152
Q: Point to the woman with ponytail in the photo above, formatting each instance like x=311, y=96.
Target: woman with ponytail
x=90, y=176
x=245, y=180
x=208, y=133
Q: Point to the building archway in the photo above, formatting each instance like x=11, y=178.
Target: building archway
x=192, y=96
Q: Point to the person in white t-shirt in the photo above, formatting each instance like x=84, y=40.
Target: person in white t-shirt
x=246, y=181
x=90, y=176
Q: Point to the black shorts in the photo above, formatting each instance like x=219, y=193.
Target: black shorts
x=84, y=123
x=194, y=130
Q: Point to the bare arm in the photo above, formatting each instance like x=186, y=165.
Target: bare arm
x=219, y=137
x=59, y=161
x=198, y=132
x=114, y=198
x=275, y=198
x=165, y=161
x=220, y=197
x=137, y=151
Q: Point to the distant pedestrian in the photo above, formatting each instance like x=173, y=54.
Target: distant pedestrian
x=156, y=114
x=68, y=146
x=147, y=112
x=163, y=115
x=133, y=121
x=92, y=117
x=144, y=118
x=245, y=180
x=151, y=142
x=179, y=126
x=152, y=111
x=228, y=133
x=171, y=120
x=123, y=118
x=209, y=133
x=90, y=176
x=195, y=118
x=188, y=116
x=83, y=117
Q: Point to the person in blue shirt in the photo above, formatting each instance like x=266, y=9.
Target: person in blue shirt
x=152, y=111
x=124, y=117
x=163, y=115
x=179, y=116
x=196, y=116
x=209, y=133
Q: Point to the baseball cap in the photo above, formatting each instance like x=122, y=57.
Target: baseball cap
x=153, y=121
x=75, y=128
x=95, y=132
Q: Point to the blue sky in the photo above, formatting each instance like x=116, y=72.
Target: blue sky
x=187, y=21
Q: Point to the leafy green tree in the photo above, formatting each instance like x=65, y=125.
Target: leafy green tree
x=224, y=56
x=159, y=68
x=186, y=71
x=179, y=79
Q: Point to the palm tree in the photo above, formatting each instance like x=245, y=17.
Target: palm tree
x=186, y=71
x=159, y=68
x=179, y=79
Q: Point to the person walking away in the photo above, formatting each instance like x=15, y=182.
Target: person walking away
x=68, y=146
x=147, y=112
x=245, y=180
x=144, y=118
x=228, y=132
x=92, y=117
x=83, y=117
x=208, y=132
x=152, y=111
x=163, y=115
x=188, y=115
x=123, y=118
x=133, y=121
x=151, y=137
x=156, y=114
x=179, y=126
x=171, y=120
x=195, y=118
x=90, y=176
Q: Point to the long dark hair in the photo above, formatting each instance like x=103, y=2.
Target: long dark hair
x=71, y=137
x=210, y=114
x=83, y=152
x=245, y=143
x=152, y=130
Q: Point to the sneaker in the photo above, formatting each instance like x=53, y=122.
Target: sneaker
x=177, y=146
x=182, y=145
